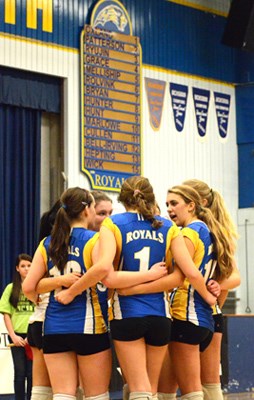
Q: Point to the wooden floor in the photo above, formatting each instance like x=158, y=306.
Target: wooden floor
x=239, y=396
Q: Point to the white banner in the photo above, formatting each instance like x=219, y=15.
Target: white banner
x=6, y=364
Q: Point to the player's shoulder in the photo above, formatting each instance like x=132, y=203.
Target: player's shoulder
x=123, y=218
x=200, y=227
x=82, y=234
x=166, y=223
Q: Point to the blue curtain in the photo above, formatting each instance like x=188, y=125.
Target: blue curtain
x=20, y=130
x=30, y=90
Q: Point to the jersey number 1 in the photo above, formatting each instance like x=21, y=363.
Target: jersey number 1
x=143, y=256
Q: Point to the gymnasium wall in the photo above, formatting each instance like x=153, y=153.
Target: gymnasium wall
x=181, y=45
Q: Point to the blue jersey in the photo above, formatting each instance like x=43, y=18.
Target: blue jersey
x=83, y=314
x=139, y=246
x=187, y=304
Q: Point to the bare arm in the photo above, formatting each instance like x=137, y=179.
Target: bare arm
x=222, y=298
x=51, y=283
x=167, y=283
x=103, y=256
x=36, y=272
x=17, y=340
x=182, y=251
x=123, y=279
x=233, y=280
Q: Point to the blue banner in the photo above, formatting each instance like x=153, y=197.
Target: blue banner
x=179, y=95
x=201, y=99
x=222, y=107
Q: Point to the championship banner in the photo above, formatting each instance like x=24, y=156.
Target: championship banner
x=111, y=97
x=222, y=107
x=201, y=99
x=155, y=91
x=179, y=95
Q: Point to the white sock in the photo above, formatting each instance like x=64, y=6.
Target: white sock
x=193, y=396
x=126, y=391
x=166, y=396
x=103, y=396
x=63, y=396
x=140, y=395
x=154, y=396
x=41, y=393
x=212, y=391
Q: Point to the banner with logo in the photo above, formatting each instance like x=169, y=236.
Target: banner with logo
x=179, y=95
x=155, y=91
x=201, y=99
x=222, y=107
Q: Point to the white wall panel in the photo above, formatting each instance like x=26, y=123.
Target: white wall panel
x=171, y=156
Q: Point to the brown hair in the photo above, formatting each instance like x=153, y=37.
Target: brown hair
x=17, y=288
x=73, y=201
x=99, y=196
x=221, y=242
x=137, y=193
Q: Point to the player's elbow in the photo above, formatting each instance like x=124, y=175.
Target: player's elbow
x=180, y=279
x=27, y=289
x=109, y=281
x=192, y=274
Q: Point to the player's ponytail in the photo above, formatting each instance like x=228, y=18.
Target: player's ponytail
x=137, y=194
x=73, y=201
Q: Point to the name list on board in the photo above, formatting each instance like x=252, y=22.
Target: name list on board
x=111, y=126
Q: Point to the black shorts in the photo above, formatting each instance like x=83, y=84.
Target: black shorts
x=81, y=344
x=155, y=330
x=218, y=323
x=34, y=334
x=187, y=332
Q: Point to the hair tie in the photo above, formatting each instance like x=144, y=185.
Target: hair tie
x=63, y=206
x=138, y=192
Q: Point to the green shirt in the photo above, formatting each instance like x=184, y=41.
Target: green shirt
x=20, y=315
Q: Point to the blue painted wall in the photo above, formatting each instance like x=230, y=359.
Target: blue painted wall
x=172, y=36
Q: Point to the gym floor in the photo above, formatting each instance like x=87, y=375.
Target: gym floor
x=239, y=396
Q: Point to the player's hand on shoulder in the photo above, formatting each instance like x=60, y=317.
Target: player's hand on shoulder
x=158, y=270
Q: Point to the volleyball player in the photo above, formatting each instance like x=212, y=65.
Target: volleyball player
x=140, y=325
x=75, y=336
x=192, y=317
x=211, y=357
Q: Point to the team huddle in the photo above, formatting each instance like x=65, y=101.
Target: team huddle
x=152, y=286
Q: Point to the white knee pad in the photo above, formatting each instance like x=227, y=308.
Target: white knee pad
x=166, y=396
x=193, y=396
x=140, y=396
x=212, y=391
x=155, y=396
x=103, y=396
x=63, y=396
x=41, y=393
x=126, y=391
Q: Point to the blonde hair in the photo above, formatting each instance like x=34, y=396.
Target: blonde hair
x=218, y=207
x=221, y=242
x=137, y=193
